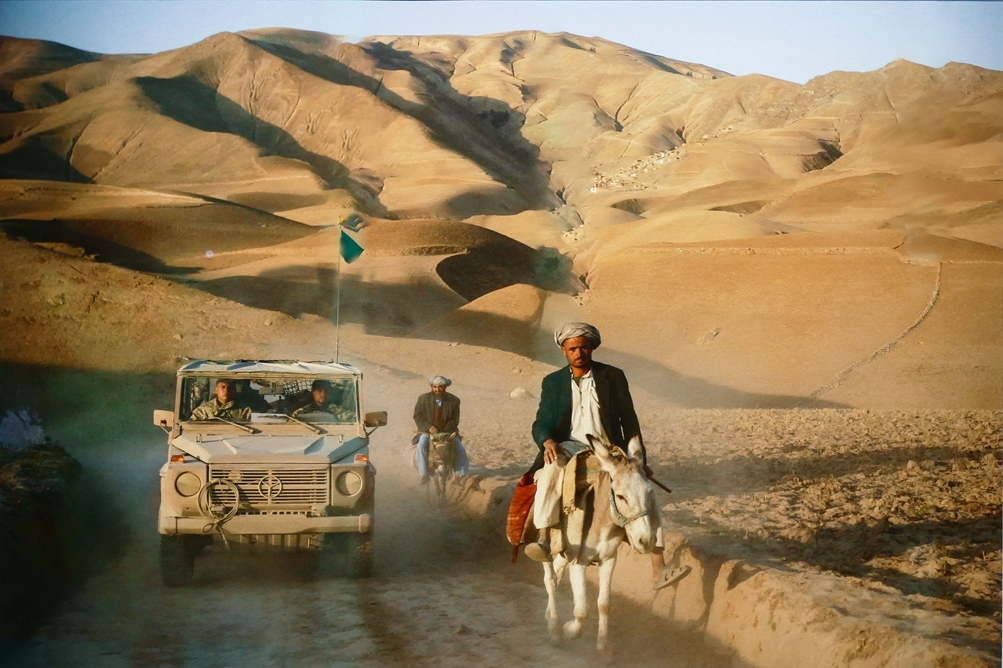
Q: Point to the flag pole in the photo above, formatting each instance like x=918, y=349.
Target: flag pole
x=349, y=251
x=337, y=298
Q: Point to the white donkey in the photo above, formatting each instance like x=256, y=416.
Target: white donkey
x=624, y=507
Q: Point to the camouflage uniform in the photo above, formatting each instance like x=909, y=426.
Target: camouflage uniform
x=227, y=411
x=340, y=413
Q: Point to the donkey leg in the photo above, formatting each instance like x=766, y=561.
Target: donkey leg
x=573, y=628
x=551, y=578
x=605, y=578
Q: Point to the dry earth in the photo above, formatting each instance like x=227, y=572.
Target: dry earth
x=803, y=283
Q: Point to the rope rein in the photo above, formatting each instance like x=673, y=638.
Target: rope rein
x=618, y=517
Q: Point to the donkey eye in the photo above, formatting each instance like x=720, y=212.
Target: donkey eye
x=621, y=497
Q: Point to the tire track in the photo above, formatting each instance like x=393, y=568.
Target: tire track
x=381, y=623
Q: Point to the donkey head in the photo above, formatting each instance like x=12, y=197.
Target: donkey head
x=632, y=501
x=443, y=450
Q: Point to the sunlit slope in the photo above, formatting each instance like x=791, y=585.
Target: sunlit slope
x=453, y=126
x=849, y=318
x=234, y=109
x=741, y=241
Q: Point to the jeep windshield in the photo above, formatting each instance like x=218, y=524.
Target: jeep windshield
x=269, y=400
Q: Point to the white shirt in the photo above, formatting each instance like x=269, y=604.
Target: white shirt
x=585, y=409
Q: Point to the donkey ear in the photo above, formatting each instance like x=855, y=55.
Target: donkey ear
x=606, y=455
x=600, y=448
x=634, y=450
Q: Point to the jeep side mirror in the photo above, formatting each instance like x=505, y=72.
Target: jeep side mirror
x=378, y=419
x=164, y=419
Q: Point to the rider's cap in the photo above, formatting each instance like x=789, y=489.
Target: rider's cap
x=440, y=380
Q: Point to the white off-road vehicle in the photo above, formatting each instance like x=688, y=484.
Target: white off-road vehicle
x=284, y=462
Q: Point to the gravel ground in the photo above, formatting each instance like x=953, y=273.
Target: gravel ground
x=898, y=501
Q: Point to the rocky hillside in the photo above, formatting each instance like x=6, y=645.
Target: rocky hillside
x=839, y=240
x=457, y=126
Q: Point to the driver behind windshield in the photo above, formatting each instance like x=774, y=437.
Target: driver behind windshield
x=322, y=402
x=224, y=405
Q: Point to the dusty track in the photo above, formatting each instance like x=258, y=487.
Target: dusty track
x=443, y=594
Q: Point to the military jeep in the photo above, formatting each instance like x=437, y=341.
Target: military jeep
x=269, y=467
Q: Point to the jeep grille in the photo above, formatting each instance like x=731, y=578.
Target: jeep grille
x=273, y=486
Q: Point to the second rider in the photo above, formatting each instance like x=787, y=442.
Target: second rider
x=438, y=411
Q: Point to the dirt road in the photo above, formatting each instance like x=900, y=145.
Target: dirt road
x=443, y=594
x=748, y=482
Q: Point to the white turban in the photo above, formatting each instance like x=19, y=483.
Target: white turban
x=573, y=329
x=440, y=380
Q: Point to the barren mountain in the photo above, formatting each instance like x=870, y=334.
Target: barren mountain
x=743, y=240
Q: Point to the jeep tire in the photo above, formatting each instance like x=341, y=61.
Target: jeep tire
x=177, y=560
x=331, y=557
x=359, y=558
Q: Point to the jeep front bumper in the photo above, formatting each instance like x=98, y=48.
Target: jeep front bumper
x=269, y=524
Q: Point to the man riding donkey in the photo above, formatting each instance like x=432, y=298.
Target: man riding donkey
x=434, y=412
x=583, y=398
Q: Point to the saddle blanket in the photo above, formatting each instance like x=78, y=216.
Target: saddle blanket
x=581, y=475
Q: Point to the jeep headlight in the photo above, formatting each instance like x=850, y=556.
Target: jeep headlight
x=188, y=484
x=349, y=483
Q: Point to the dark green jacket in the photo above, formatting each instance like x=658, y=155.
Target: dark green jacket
x=616, y=408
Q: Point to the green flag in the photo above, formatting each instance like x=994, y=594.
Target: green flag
x=350, y=250
x=352, y=222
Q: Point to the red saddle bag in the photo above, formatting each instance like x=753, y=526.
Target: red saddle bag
x=518, y=511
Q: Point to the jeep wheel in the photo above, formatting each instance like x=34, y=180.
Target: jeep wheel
x=359, y=559
x=177, y=560
x=331, y=557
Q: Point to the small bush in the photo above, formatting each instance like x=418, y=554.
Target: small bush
x=55, y=525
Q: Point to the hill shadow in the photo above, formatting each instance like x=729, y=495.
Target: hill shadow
x=75, y=233
x=160, y=239
x=499, y=264
x=489, y=137
x=40, y=157
x=187, y=100
x=384, y=309
x=395, y=309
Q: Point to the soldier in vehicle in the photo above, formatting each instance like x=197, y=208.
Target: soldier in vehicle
x=198, y=393
x=223, y=405
x=324, y=402
x=437, y=411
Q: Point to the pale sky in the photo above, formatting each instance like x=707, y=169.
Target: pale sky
x=788, y=40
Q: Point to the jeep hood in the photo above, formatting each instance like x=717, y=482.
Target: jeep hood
x=265, y=448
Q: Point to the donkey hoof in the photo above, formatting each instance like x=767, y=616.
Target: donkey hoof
x=572, y=630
